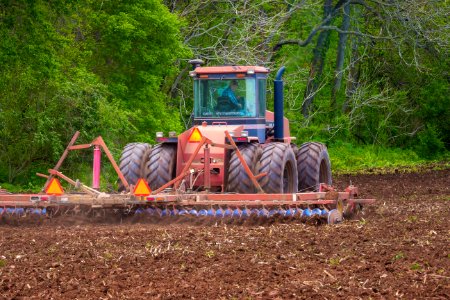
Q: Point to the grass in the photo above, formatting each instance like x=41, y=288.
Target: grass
x=347, y=158
x=398, y=256
x=334, y=261
x=416, y=267
x=210, y=254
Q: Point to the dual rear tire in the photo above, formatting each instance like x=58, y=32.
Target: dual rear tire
x=314, y=166
x=132, y=162
x=238, y=180
x=156, y=165
x=161, y=165
x=278, y=161
x=288, y=169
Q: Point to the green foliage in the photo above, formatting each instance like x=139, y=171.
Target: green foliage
x=416, y=267
x=398, y=256
x=349, y=158
x=96, y=67
x=334, y=261
x=429, y=143
x=118, y=69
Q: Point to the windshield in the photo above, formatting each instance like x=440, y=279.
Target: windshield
x=225, y=98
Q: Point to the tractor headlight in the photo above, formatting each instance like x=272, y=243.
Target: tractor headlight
x=232, y=133
x=172, y=134
x=159, y=134
x=244, y=133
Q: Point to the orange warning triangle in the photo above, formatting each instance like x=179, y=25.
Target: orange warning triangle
x=54, y=188
x=142, y=188
x=196, y=136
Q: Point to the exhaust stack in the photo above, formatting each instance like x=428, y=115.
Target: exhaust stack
x=196, y=63
x=278, y=105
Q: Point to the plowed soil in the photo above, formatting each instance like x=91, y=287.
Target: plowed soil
x=397, y=248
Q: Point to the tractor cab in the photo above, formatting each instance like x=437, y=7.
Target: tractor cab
x=234, y=95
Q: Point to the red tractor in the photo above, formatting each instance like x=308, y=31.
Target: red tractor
x=230, y=103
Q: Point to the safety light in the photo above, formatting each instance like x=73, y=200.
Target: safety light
x=244, y=133
x=159, y=134
x=195, y=136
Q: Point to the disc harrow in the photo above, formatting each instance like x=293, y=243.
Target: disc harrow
x=298, y=206
x=168, y=201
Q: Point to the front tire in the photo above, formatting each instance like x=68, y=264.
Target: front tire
x=278, y=160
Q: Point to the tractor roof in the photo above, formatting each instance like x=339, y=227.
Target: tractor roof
x=230, y=69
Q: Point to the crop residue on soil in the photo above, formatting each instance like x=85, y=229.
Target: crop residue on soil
x=398, y=248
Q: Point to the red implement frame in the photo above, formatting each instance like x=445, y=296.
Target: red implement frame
x=93, y=198
x=97, y=143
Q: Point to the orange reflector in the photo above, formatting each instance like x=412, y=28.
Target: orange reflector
x=142, y=189
x=195, y=136
x=54, y=188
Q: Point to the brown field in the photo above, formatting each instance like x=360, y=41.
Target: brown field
x=397, y=248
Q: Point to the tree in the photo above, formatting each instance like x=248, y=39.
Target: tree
x=97, y=67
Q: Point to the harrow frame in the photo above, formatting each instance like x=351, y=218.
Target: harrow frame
x=338, y=204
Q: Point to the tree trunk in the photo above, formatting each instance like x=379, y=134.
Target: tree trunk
x=319, y=54
x=340, y=54
x=354, y=69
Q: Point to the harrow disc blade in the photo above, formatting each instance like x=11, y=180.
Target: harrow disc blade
x=165, y=212
x=246, y=213
x=183, y=212
x=219, y=213
x=150, y=211
x=263, y=213
x=334, y=217
x=306, y=213
x=237, y=213
x=228, y=213
x=316, y=211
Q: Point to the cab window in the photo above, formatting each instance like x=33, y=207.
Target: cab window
x=225, y=98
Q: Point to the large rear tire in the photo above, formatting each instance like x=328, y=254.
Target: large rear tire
x=132, y=162
x=160, y=168
x=238, y=180
x=314, y=167
x=278, y=160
